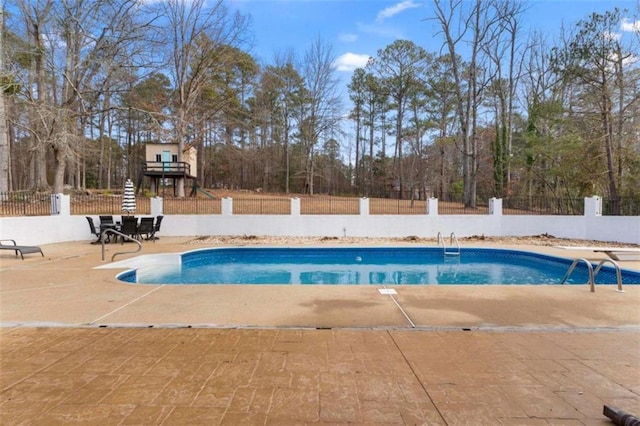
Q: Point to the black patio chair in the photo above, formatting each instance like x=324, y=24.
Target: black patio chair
x=106, y=222
x=129, y=227
x=94, y=231
x=156, y=228
x=146, y=227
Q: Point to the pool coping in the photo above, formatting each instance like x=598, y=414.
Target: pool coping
x=72, y=286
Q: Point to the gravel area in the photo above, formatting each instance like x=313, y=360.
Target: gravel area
x=535, y=240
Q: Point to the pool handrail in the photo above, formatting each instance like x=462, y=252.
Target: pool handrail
x=452, y=240
x=591, y=281
x=618, y=271
x=124, y=236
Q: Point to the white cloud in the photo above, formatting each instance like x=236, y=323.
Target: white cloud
x=348, y=37
x=380, y=30
x=630, y=26
x=350, y=61
x=395, y=9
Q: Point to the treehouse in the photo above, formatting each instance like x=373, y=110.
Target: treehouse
x=162, y=167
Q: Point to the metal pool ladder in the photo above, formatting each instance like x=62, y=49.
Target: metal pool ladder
x=618, y=272
x=593, y=273
x=453, y=240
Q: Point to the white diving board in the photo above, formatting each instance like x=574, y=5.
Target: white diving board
x=615, y=253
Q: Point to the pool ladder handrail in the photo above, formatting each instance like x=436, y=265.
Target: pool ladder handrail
x=124, y=236
x=618, y=272
x=593, y=273
x=452, y=240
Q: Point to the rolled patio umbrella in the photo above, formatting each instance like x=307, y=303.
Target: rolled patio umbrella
x=129, y=197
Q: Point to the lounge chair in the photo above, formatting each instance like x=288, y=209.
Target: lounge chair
x=20, y=249
x=94, y=231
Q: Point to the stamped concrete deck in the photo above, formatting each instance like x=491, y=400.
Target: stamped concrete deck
x=77, y=346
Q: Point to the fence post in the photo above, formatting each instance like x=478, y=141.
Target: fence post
x=364, y=207
x=593, y=206
x=55, y=204
x=432, y=206
x=226, y=206
x=156, y=206
x=60, y=205
x=495, y=206
x=295, y=206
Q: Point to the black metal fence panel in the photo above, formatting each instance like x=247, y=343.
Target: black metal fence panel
x=96, y=204
x=454, y=204
x=542, y=206
x=329, y=206
x=26, y=204
x=621, y=207
x=191, y=206
x=262, y=206
x=395, y=206
x=45, y=204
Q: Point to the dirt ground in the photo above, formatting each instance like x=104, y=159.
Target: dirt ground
x=536, y=240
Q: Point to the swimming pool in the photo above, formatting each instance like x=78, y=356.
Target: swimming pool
x=365, y=266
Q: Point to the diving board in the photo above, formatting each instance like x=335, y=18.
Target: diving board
x=615, y=253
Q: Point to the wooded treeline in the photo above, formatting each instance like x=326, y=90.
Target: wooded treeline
x=496, y=112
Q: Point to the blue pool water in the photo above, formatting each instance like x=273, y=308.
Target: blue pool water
x=366, y=266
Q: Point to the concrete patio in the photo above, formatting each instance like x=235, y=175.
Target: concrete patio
x=77, y=346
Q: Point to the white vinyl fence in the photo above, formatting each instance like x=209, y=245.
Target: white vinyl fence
x=64, y=227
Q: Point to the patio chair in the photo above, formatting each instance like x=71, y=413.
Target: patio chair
x=146, y=227
x=20, y=249
x=129, y=227
x=106, y=222
x=94, y=231
x=156, y=228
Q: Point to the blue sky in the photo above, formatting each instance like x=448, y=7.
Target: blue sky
x=358, y=28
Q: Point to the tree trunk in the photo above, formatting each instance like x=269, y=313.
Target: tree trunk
x=607, y=129
x=180, y=137
x=39, y=152
x=4, y=139
x=60, y=168
x=357, y=168
x=287, y=160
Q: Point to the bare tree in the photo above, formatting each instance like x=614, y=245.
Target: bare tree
x=283, y=86
x=196, y=34
x=37, y=16
x=76, y=53
x=322, y=113
x=502, y=54
x=470, y=26
x=441, y=110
